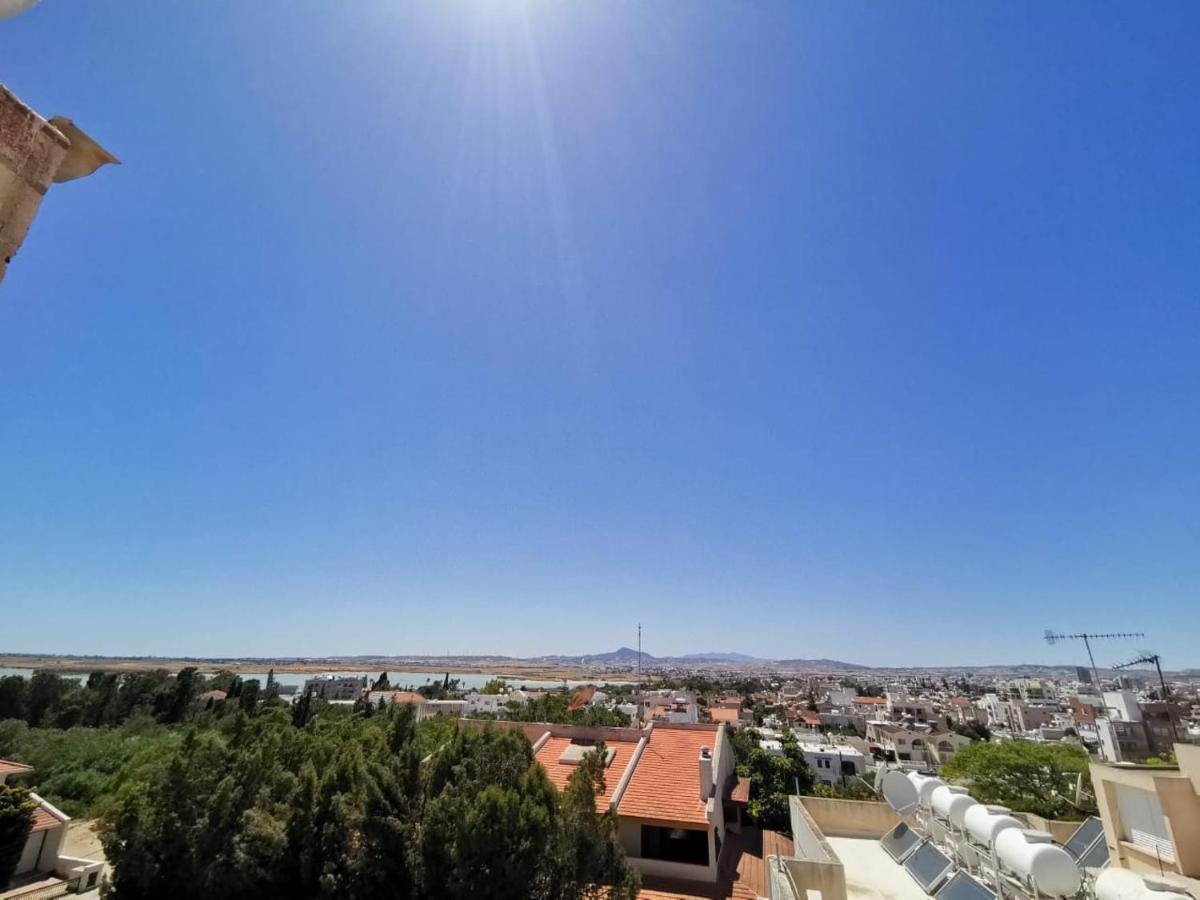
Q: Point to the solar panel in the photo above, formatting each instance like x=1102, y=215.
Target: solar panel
x=1083, y=838
x=1096, y=855
x=928, y=866
x=962, y=886
x=900, y=841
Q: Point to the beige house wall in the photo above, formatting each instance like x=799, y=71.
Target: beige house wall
x=1177, y=793
x=851, y=818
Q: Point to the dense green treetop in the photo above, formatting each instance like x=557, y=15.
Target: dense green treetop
x=16, y=822
x=1026, y=777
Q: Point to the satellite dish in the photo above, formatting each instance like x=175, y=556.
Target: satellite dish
x=899, y=792
x=10, y=8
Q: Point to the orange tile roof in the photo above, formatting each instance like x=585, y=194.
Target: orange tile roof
x=44, y=819
x=875, y=700
x=812, y=718
x=13, y=768
x=721, y=714
x=741, y=792
x=558, y=773
x=666, y=782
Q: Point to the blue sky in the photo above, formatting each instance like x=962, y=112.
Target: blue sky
x=866, y=331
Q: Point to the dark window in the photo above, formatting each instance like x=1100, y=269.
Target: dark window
x=683, y=845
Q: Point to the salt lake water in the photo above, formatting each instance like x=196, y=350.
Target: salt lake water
x=468, y=680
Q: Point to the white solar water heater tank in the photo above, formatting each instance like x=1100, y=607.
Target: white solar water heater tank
x=1032, y=855
x=952, y=802
x=925, y=785
x=985, y=822
x=1122, y=884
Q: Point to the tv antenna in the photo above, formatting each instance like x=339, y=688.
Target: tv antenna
x=1053, y=637
x=1145, y=659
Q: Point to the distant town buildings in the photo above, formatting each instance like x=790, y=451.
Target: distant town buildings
x=336, y=687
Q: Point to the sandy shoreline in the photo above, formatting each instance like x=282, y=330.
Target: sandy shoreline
x=77, y=664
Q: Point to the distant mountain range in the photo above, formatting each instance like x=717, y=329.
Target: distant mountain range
x=623, y=658
x=820, y=663
x=628, y=656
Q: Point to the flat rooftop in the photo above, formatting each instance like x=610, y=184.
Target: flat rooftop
x=871, y=874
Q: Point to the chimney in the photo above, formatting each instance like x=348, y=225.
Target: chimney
x=706, y=773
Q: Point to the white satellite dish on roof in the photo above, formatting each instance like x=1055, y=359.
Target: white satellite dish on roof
x=10, y=8
x=899, y=792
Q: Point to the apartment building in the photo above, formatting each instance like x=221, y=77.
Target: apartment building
x=930, y=748
x=1017, y=715
x=336, y=687
x=1129, y=729
x=841, y=696
x=961, y=711
x=486, y=703
x=833, y=763
x=679, y=707
x=870, y=708
x=902, y=705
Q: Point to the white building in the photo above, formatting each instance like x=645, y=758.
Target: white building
x=442, y=708
x=902, y=705
x=485, y=703
x=926, y=748
x=833, y=762
x=676, y=707
x=842, y=696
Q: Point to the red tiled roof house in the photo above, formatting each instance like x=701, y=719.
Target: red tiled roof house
x=670, y=784
x=42, y=859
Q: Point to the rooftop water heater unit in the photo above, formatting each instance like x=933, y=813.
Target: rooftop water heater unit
x=957, y=848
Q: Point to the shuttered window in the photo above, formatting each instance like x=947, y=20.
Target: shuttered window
x=1145, y=824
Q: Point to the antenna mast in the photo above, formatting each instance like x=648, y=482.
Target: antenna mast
x=1053, y=637
x=641, y=689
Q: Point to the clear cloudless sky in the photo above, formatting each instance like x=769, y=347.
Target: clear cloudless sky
x=853, y=330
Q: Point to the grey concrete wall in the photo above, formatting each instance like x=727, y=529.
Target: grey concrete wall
x=814, y=865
